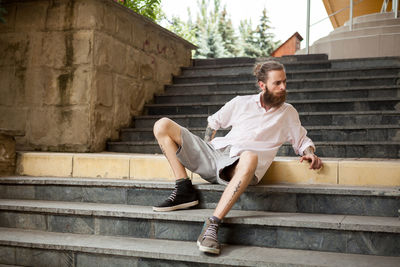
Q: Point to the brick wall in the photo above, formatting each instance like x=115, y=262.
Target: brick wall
x=73, y=72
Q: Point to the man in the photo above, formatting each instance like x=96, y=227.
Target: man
x=260, y=123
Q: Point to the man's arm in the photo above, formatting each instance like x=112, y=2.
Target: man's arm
x=210, y=133
x=309, y=155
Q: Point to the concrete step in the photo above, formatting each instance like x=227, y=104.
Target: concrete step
x=293, y=94
x=361, y=32
x=302, y=74
x=301, y=198
x=316, y=133
x=367, y=24
x=347, y=149
x=318, y=232
x=372, y=62
x=314, y=105
x=307, y=119
x=46, y=249
x=374, y=17
x=245, y=60
x=292, y=83
x=229, y=85
x=156, y=167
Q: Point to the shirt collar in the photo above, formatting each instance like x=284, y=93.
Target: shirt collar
x=256, y=98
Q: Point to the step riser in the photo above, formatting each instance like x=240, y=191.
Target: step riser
x=191, y=73
x=251, y=86
x=301, y=107
x=315, y=135
x=306, y=120
x=252, y=199
x=27, y=256
x=384, y=244
x=336, y=151
x=365, y=63
x=350, y=151
x=167, y=99
x=291, y=84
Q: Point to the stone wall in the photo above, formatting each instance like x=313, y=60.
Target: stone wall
x=73, y=72
x=7, y=154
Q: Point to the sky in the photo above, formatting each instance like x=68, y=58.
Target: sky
x=286, y=16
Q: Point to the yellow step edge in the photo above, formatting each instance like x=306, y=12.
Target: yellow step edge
x=288, y=170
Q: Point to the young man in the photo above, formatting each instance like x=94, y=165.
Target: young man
x=260, y=123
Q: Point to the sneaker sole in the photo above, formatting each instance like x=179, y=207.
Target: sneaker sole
x=177, y=207
x=207, y=249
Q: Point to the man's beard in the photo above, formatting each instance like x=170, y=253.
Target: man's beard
x=271, y=100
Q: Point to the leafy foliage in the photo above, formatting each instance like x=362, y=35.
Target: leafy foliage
x=148, y=8
x=215, y=35
x=2, y=12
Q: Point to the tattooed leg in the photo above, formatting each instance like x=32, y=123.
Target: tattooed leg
x=241, y=178
x=168, y=135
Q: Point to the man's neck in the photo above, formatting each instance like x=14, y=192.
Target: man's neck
x=263, y=105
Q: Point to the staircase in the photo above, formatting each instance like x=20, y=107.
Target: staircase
x=351, y=108
x=100, y=222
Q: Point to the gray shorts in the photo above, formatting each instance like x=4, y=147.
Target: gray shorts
x=202, y=158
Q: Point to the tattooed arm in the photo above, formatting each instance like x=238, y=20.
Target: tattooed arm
x=210, y=133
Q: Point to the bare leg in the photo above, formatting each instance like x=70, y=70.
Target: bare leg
x=243, y=174
x=168, y=135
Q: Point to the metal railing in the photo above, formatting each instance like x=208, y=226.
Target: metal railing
x=395, y=4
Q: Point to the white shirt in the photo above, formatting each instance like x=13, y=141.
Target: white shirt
x=257, y=130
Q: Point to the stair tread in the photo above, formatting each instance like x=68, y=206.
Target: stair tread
x=316, y=71
x=184, y=250
x=277, y=188
x=322, y=127
x=344, y=143
x=394, y=112
x=284, y=219
x=292, y=101
x=249, y=92
x=252, y=64
x=289, y=81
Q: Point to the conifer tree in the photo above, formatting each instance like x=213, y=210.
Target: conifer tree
x=210, y=44
x=264, y=36
x=227, y=32
x=248, y=42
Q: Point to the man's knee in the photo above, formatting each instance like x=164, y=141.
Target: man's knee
x=161, y=127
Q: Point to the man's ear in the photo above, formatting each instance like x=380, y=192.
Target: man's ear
x=262, y=85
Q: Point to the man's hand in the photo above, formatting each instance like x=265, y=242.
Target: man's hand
x=315, y=162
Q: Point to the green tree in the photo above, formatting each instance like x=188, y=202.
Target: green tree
x=210, y=42
x=248, y=41
x=185, y=30
x=264, y=36
x=228, y=35
x=148, y=8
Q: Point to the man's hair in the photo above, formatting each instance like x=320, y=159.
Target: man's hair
x=262, y=69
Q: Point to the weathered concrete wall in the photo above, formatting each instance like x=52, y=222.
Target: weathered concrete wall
x=7, y=154
x=73, y=72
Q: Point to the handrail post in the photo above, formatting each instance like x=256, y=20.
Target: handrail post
x=351, y=15
x=395, y=6
x=308, y=28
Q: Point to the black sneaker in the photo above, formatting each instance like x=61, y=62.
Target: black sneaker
x=183, y=196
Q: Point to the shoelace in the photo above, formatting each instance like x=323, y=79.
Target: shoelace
x=173, y=194
x=211, y=231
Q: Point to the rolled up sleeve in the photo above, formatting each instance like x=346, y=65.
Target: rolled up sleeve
x=298, y=134
x=223, y=117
